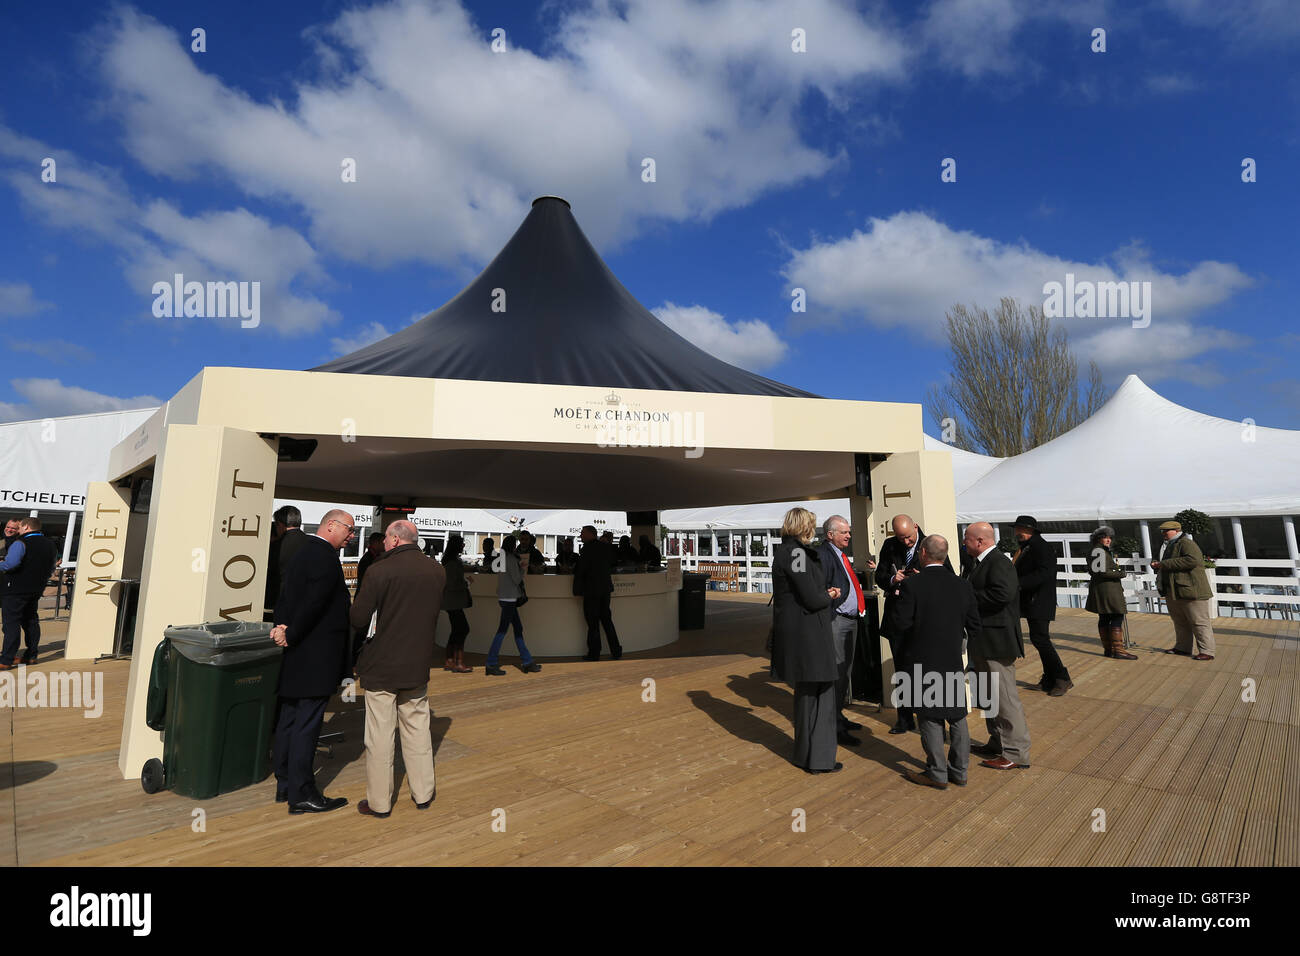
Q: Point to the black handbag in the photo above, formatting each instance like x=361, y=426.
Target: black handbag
x=523, y=596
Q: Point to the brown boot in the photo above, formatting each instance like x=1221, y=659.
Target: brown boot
x=1103, y=631
x=1117, y=645
x=460, y=667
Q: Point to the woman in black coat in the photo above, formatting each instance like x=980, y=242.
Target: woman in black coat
x=803, y=653
x=455, y=599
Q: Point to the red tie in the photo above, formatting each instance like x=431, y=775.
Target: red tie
x=853, y=583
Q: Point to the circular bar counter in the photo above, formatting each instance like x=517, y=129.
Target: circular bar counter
x=644, y=608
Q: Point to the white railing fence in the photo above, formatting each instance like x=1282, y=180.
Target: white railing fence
x=1244, y=594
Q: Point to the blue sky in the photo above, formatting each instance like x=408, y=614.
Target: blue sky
x=774, y=170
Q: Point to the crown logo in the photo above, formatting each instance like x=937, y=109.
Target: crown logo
x=612, y=398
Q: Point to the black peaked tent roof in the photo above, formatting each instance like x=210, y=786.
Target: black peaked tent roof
x=567, y=321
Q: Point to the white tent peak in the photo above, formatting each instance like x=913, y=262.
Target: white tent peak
x=1139, y=456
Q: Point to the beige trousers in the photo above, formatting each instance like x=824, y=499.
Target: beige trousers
x=1191, y=619
x=406, y=712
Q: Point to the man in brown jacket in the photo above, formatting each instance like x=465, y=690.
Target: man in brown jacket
x=1181, y=581
x=404, y=589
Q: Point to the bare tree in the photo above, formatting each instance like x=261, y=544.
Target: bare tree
x=1014, y=381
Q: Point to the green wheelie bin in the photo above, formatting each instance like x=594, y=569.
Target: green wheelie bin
x=212, y=694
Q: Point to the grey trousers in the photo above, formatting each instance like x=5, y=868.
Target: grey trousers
x=815, y=733
x=1191, y=621
x=1008, y=732
x=844, y=634
x=958, y=752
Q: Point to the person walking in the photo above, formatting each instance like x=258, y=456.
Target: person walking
x=28, y=563
x=1181, y=581
x=1035, y=564
x=455, y=599
x=1106, y=594
x=803, y=649
x=403, y=589
x=510, y=589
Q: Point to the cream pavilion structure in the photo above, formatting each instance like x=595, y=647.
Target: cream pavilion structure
x=544, y=384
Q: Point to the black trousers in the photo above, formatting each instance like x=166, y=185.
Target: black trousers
x=18, y=613
x=906, y=716
x=295, y=745
x=815, y=710
x=459, y=630
x=595, y=608
x=1053, y=669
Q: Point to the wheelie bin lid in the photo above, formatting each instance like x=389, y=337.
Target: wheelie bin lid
x=223, y=642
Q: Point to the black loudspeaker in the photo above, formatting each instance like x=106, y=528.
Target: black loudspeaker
x=296, y=449
x=862, y=466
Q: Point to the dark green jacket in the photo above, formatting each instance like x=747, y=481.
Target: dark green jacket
x=1182, y=572
x=1105, y=586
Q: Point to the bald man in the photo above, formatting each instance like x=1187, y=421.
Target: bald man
x=900, y=557
x=997, y=646
x=311, y=624
x=404, y=589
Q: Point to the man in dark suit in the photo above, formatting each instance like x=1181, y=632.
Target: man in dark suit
x=592, y=580
x=292, y=537
x=935, y=616
x=846, y=612
x=1036, y=568
x=311, y=624
x=994, y=652
x=900, y=556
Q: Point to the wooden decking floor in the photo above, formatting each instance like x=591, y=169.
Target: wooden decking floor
x=583, y=770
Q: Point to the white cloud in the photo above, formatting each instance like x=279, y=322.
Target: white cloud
x=366, y=335
x=57, y=351
x=17, y=298
x=750, y=343
x=1250, y=22
x=156, y=241
x=910, y=269
x=1171, y=83
x=1162, y=351
x=50, y=398
x=978, y=37
x=452, y=141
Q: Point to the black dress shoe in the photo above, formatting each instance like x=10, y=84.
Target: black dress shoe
x=984, y=750
x=427, y=803
x=494, y=671
x=318, y=803
x=899, y=729
x=531, y=668
x=845, y=740
x=616, y=656
x=835, y=769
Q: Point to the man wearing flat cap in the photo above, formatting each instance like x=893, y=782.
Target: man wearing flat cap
x=1181, y=581
x=1036, y=568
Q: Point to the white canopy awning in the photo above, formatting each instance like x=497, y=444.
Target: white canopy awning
x=46, y=464
x=1142, y=456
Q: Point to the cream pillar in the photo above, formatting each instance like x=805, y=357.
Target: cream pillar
x=918, y=484
x=205, y=552
x=101, y=558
